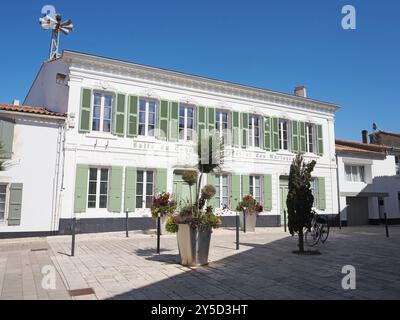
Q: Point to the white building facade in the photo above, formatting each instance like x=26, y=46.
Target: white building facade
x=131, y=130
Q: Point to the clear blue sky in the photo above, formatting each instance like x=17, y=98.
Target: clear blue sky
x=274, y=44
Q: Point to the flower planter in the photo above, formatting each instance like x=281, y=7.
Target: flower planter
x=194, y=245
x=251, y=222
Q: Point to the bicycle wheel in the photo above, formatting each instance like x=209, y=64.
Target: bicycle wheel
x=324, y=233
x=312, y=237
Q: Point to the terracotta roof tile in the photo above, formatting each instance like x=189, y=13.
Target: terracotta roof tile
x=32, y=110
x=351, y=146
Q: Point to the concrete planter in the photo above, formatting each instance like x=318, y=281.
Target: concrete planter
x=194, y=245
x=251, y=222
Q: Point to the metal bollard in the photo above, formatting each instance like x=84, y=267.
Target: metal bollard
x=237, y=230
x=158, y=233
x=127, y=224
x=386, y=226
x=73, y=231
x=284, y=220
x=244, y=221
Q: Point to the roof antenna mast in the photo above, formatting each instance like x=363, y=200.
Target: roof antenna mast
x=52, y=21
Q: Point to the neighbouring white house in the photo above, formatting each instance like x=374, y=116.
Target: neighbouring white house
x=369, y=183
x=129, y=130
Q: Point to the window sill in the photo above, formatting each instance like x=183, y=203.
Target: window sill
x=285, y=153
x=101, y=135
x=146, y=139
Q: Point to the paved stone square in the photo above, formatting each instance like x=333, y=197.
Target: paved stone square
x=116, y=267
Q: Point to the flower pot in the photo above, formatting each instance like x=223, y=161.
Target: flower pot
x=251, y=221
x=194, y=245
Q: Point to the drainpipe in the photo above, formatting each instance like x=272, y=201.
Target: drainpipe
x=338, y=190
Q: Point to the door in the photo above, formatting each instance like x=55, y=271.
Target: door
x=357, y=211
x=181, y=191
x=284, y=190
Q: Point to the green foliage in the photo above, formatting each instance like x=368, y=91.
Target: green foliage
x=171, y=226
x=250, y=204
x=190, y=177
x=208, y=192
x=163, y=204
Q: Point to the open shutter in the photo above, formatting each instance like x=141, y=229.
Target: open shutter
x=211, y=180
x=86, y=110
x=295, y=136
x=267, y=133
x=320, y=140
x=133, y=116
x=321, y=194
x=235, y=187
x=201, y=121
x=245, y=185
x=115, y=194
x=14, y=213
x=173, y=122
x=163, y=120
x=267, y=192
x=81, y=188
x=235, y=129
x=275, y=134
x=211, y=119
x=245, y=129
x=302, y=137
x=130, y=189
x=162, y=180
x=6, y=139
x=119, y=115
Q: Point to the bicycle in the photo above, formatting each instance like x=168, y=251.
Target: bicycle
x=319, y=231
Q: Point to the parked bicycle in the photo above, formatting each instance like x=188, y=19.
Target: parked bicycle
x=319, y=231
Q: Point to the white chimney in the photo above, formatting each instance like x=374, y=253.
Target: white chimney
x=15, y=102
x=300, y=91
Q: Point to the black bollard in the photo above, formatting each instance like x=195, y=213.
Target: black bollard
x=158, y=233
x=237, y=230
x=244, y=221
x=386, y=226
x=127, y=224
x=73, y=231
x=284, y=220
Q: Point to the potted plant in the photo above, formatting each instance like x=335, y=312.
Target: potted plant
x=195, y=222
x=249, y=209
x=163, y=206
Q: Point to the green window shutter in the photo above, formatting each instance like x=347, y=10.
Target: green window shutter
x=81, y=188
x=119, y=115
x=245, y=185
x=15, y=206
x=320, y=140
x=115, y=193
x=6, y=139
x=245, y=129
x=302, y=137
x=174, y=122
x=321, y=194
x=133, y=116
x=295, y=136
x=275, y=134
x=130, y=189
x=235, y=129
x=86, y=110
x=267, y=133
x=211, y=119
x=235, y=187
x=267, y=192
x=201, y=120
x=162, y=180
x=163, y=120
x=211, y=180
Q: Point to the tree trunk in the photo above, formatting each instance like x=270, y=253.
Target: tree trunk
x=301, y=241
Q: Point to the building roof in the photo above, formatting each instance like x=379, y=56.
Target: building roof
x=395, y=134
x=362, y=148
x=31, y=110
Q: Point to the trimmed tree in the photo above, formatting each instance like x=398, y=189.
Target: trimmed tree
x=300, y=199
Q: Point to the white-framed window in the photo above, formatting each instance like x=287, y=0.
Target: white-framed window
x=255, y=188
x=314, y=190
x=284, y=134
x=397, y=160
x=98, y=188
x=3, y=202
x=102, y=112
x=222, y=186
x=144, y=189
x=147, y=117
x=254, y=131
x=310, y=138
x=186, y=122
x=355, y=173
x=222, y=124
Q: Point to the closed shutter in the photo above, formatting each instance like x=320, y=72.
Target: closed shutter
x=201, y=121
x=81, y=188
x=275, y=134
x=174, y=122
x=295, y=137
x=6, y=139
x=130, y=189
x=235, y=129
x=211, y=119
x=86, y=110
x=119, y=115
x=235, y=187
x=302, y=137
x=267, y=133
x=115, y=193
x=162, y=180
x=245, y=185
x=320, y=140
x=163, y=120
x=321, y=194
x=14, y=210
x=211, y=180
x=267, y=192
x=245, y=129
x=133, y=116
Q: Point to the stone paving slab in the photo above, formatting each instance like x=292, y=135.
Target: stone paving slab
x=116, y=267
